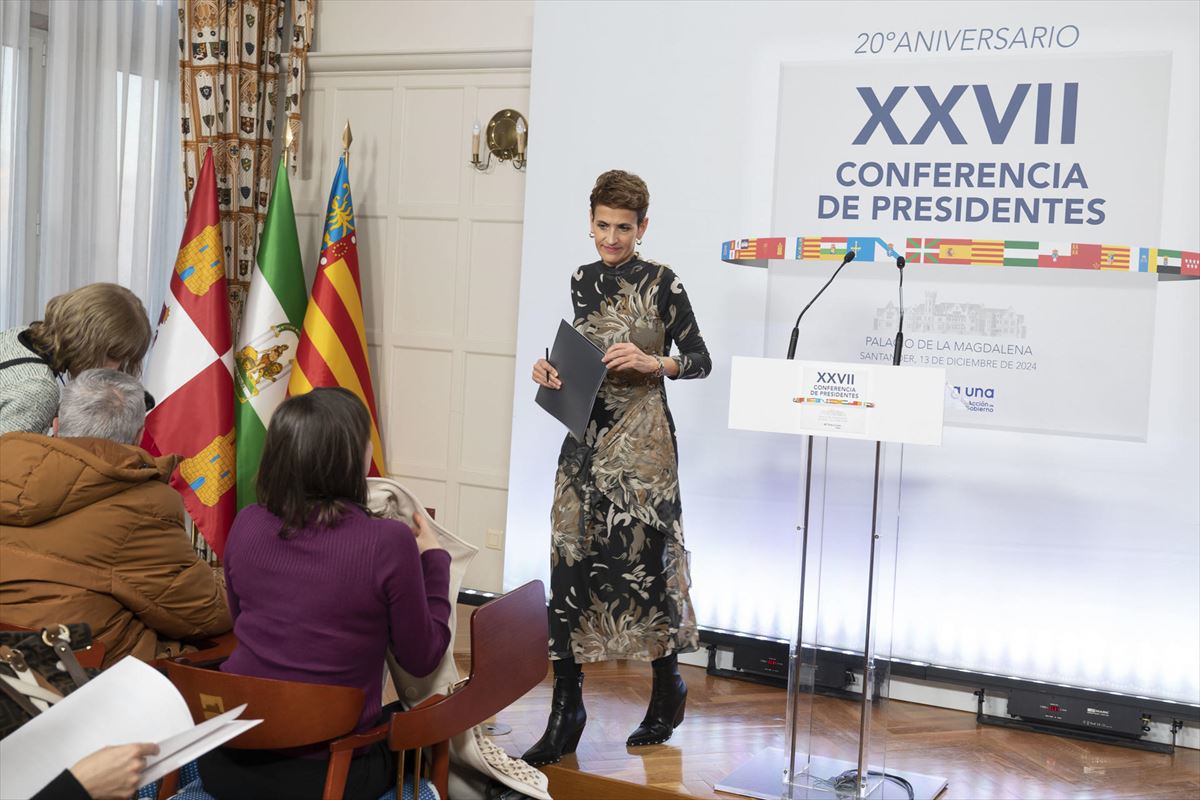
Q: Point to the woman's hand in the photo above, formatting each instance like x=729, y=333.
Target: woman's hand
x=426, y=540
x=544, y=374
x=627, y=355
x=111, y=773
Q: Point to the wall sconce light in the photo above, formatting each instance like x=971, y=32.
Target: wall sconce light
x=507, y=135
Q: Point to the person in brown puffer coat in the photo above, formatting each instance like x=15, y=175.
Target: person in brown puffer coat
x=90, y=530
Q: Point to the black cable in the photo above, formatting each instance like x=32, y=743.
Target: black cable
x=848, y=781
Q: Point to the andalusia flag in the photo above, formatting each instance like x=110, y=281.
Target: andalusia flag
x=270, y=332
x=189, y=371
x=333, y=346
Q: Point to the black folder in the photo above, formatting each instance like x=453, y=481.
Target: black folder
x=581, y=371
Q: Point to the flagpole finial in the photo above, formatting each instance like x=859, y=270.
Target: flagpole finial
x=288, y=136
x=347, y=138
x=208, y=140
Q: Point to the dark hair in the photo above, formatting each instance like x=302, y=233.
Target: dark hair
x=92, y=325
x=619, y=189
x=312, y=459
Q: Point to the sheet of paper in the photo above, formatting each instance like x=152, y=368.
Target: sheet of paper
x=195, y=746
x=129, y=702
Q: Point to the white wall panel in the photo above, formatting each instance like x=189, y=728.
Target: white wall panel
x=495, y=276
x=426, y=268
x=432, y=157
x=487, y=409
x=418, y=417
x=368, y=108
x=391, y=25
x=481, y=509
x=371, y=232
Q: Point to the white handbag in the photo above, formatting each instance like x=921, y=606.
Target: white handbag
x=474, y=758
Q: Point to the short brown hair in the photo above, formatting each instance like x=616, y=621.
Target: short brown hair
x=312, y=459
x=92, y=325
x=619, y=189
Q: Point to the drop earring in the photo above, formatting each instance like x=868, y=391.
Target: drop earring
x=639, y=241
x=591, y=236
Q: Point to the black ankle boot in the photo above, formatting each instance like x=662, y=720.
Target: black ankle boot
x=565, y=726
x=668, y=697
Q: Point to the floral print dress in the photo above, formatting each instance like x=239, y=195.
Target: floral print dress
x=619, y=571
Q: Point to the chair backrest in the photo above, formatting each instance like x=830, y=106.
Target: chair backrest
x=509, y=638
x=212, y=651
x=294, y=714
x=510, y=644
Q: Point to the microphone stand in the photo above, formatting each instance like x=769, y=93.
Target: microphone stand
x=791, y=354
x=899, y=345
x=794, y=661
x=869, y=675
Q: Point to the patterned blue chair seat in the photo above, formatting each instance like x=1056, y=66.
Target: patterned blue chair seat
x=189, y=778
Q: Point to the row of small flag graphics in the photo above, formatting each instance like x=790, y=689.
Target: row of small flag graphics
x=975, y=252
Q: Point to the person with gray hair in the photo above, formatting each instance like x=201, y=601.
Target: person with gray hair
x=103, y=404
x=91, y=530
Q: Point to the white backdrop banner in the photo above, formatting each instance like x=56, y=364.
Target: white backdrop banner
x=1033, y=148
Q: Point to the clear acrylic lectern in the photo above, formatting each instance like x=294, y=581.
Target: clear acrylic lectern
x=855, y=420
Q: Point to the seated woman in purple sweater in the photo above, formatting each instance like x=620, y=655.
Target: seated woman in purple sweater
x=319, y=589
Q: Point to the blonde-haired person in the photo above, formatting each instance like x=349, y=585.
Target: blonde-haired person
x=98, y=325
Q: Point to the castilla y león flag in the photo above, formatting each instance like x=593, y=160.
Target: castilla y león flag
x=333, y=343
x=190, y=372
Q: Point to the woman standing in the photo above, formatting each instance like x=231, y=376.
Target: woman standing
x=619, y=571
x=98, y=325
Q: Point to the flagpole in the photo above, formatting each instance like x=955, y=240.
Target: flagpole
x=187, y=198
x=347, y=138
x=208, y=141
x=287, y=146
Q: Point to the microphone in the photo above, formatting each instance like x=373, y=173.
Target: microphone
x=791, y=354
x=899, y=346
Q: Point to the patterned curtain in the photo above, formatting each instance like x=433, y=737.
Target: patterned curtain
x=229, y=59
x=302, y=33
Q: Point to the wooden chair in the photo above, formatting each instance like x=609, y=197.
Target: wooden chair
x=211, y=651
x=293, y=714
x=508, y=658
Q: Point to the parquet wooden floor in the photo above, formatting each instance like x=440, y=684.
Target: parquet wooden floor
x=729, y=721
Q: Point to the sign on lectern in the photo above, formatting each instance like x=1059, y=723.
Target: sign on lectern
x=837, y=399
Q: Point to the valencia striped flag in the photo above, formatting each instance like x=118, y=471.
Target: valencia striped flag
x=333, y=343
